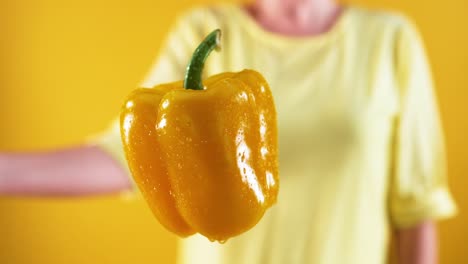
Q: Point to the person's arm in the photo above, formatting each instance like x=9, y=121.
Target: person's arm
x=100, y=168
x=84, y=170
x=419, y=192
x=417, y=244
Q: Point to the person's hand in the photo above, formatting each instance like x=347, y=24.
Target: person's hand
x=5, y=171
x=2, y=171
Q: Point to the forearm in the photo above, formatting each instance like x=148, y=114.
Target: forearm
x=418, y=244
x=82, y=170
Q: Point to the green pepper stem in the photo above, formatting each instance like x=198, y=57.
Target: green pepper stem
x=193, y=74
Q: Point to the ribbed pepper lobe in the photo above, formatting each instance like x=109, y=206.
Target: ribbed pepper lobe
x=205, y=160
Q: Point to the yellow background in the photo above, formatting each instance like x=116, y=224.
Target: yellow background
x=66, y=66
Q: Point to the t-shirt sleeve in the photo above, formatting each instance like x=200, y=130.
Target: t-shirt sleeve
x=176, y=51
x=169, y=66
x=419, y=188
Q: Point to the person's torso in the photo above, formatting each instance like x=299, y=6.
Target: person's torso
x=336, y=102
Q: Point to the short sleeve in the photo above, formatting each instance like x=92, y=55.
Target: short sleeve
x=110, y=141
x=183, y=38
x=419, y=188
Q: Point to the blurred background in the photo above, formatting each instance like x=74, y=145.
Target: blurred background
x=67, y=65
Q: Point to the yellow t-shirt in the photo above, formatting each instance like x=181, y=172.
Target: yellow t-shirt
x=360, y=142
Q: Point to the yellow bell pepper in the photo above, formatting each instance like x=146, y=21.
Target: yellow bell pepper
x=204, y=156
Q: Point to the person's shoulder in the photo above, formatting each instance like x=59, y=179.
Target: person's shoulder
x=382, y=19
